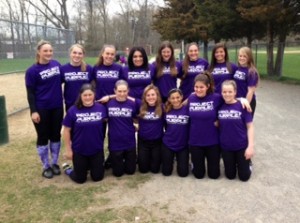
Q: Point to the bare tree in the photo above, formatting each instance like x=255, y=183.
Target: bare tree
x=103, y=11
x=58, y=19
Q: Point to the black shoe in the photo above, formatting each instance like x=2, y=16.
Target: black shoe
x=55, y=169
x=48, y=173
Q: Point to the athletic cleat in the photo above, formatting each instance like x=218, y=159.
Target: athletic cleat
x=47, y=173
x=56, y=169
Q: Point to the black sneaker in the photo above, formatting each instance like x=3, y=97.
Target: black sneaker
x=56, y=169
x=48, y=173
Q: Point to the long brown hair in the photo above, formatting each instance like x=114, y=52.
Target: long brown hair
x=186, y=61
x=158, y=104
x=38, y=47
x=213, y=61
x=83, y=63
x=160, y=62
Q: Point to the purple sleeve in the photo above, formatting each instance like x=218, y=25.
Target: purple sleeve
x=252, y=79
x=68, y=120
x=248, y=116
x=30, y=79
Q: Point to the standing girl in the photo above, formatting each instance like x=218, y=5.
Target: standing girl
x=121, y=131
x=203, y=137
x=176, y=135
x=246, y=77
x=44, y=94
x=220, y=67
x=150, y=131
x=106, y=72
x=192, y=65
x=74, y=74
x=137, y=74
x=84, y=136
x=236, y=134
x=165, y=70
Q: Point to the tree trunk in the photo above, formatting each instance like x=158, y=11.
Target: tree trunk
x=270, y=47
x=280, y=53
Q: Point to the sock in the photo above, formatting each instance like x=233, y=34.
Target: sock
x=55, y=149
x=43, y=153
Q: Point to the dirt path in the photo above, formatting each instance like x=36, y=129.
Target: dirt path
x=271, y=195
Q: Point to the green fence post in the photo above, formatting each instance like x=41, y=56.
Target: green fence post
x=3, y=122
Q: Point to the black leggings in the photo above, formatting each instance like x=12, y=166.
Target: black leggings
x=123, y=162
x=253, y=106
x=235, y=161
x=182, y=158
x=49, y=126
x=212, y=155
x=82, y=164
x=149, y=155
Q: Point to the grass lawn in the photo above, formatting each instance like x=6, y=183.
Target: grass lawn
x=290, y=62
x=25, y=196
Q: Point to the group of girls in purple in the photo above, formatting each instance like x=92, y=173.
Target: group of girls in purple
x=192, y=125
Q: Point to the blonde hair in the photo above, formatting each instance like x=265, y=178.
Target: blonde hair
x=250, y=62
x=83, y=63
x=100, y=57
x=144, y=105
x=38, y=47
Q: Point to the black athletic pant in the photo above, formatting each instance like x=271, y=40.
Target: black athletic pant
x=149, y=155
x=82, y=164
x=235, y=161
x=182, y=158
x=123, y=161
x=253, y=106
x=212, y=155
x=49, y=126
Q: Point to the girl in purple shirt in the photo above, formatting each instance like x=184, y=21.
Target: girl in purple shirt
x=84, y=137
x=246, y=77
x=203, y=132
x=150, y=120
x=176, y=135
x=165, y=70
x=137, y=74
x=236, y=134
x=106, y=72
x=220, y=67
x=121, y=131
x=44, y=94
x=192, y=65
x=74, y=74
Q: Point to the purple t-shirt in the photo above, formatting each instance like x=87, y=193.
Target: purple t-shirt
x=221, y=73
x=244, y=80
x=166, y=82
x=195, y=68
x=86, y=125
x=45, y=81
x=105, y=78
x=177, y=129
x=233, y=121
x=74, y=78
x=121, y=131
x=203, y=114
x=137, y=79
x=151, y=125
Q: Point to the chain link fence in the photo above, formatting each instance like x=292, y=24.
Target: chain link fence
x=18, y=40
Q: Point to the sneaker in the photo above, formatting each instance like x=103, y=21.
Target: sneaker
x=250, y=165
x=56, y=169
x=47, y=173
x=67, y=168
